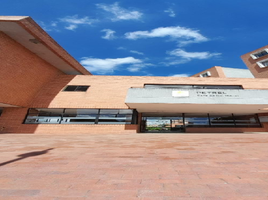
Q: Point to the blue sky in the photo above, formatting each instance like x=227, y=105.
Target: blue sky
x=150, y=38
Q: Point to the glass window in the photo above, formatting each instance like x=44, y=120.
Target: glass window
x=76, y=88
x=80, y=112
x=222, y=120
x=115, y=116
x=45, y=112
x=168, y=86
x=109, y=111
x=81, y=116
x=44, y=116
x=246, y=120
x=1, y=110
x=259, y=54
x=196, y=120
x=265, y=63
x=115, y=119
x=70, y=88
x=188, y=87
x=206, y=74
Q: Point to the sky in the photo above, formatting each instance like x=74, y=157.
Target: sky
x=150, y=37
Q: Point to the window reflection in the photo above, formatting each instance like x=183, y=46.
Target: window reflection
x=81, y=116
x=196, y=120
x=222, y=120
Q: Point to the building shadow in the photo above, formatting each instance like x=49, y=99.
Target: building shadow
x=44, y=97
x=27, y=155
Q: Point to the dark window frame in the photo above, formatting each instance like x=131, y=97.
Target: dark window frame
x=76, y=88
x=130, y=117
x=190, y=87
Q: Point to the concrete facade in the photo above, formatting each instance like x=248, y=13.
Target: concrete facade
x=35, y=70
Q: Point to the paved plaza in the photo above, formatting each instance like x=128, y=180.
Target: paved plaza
x=136, y=166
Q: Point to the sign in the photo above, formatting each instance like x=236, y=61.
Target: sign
x=217, y=94
x=180, y=93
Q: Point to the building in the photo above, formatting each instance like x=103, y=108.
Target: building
x=45, y=90
x=257, y=62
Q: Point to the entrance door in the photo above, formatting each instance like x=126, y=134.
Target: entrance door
x=155, y=124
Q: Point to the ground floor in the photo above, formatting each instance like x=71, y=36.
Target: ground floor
x=121, y=121
x=133, y=166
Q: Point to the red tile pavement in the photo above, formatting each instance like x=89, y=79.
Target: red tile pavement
x=137, y=166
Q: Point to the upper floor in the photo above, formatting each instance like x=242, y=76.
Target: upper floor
x=30, y=58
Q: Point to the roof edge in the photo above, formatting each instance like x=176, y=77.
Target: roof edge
x=28, y=24
x=12, y=18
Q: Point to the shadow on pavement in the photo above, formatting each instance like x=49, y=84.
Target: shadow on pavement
x=26, y=155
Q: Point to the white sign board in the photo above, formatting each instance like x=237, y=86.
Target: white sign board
x=180, y=93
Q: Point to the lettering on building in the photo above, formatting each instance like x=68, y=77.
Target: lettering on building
x=223, y=94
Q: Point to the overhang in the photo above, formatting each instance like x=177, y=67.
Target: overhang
x=29, y=34
x=197, y=101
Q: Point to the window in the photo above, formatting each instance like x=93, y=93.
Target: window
x=263, y=63
x=189, y=87
x=108, y=116
x=76, y=88
x=222, y=120
x=246, y=120
x=259, y=54
x=1, y=110
x=81, y=116
x=44, y=116
x=196, y=120
x=206, y=74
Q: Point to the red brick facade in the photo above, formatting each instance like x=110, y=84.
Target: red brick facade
x=214, y=71
x=22, y=73
x=253, y=66
x=106, y=92
x=27, y=81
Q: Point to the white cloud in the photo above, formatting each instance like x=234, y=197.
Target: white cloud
x=73, y=21
x=170, y=12
x=54, y=24
x=71, y=27
x=131, y=51
x=121, y=48
x=180, y=56
x=109, y=34
x=174, y=61
x=138, y=66
x=51, y=27
x=181, y=34
x=136, y=52
x=119, y=12
x=107, y=65
x=192, y=55
x=180, y=75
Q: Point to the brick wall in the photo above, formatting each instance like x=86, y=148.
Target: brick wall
x=215, y=72
x=104, y=92
x=110, y=91
x=253, y=66
x=22, y=73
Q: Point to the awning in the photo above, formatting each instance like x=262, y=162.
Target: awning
x=197, y=100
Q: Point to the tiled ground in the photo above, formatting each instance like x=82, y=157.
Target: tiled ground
x=138, y=166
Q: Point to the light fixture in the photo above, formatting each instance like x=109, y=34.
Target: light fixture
x=35, y=41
